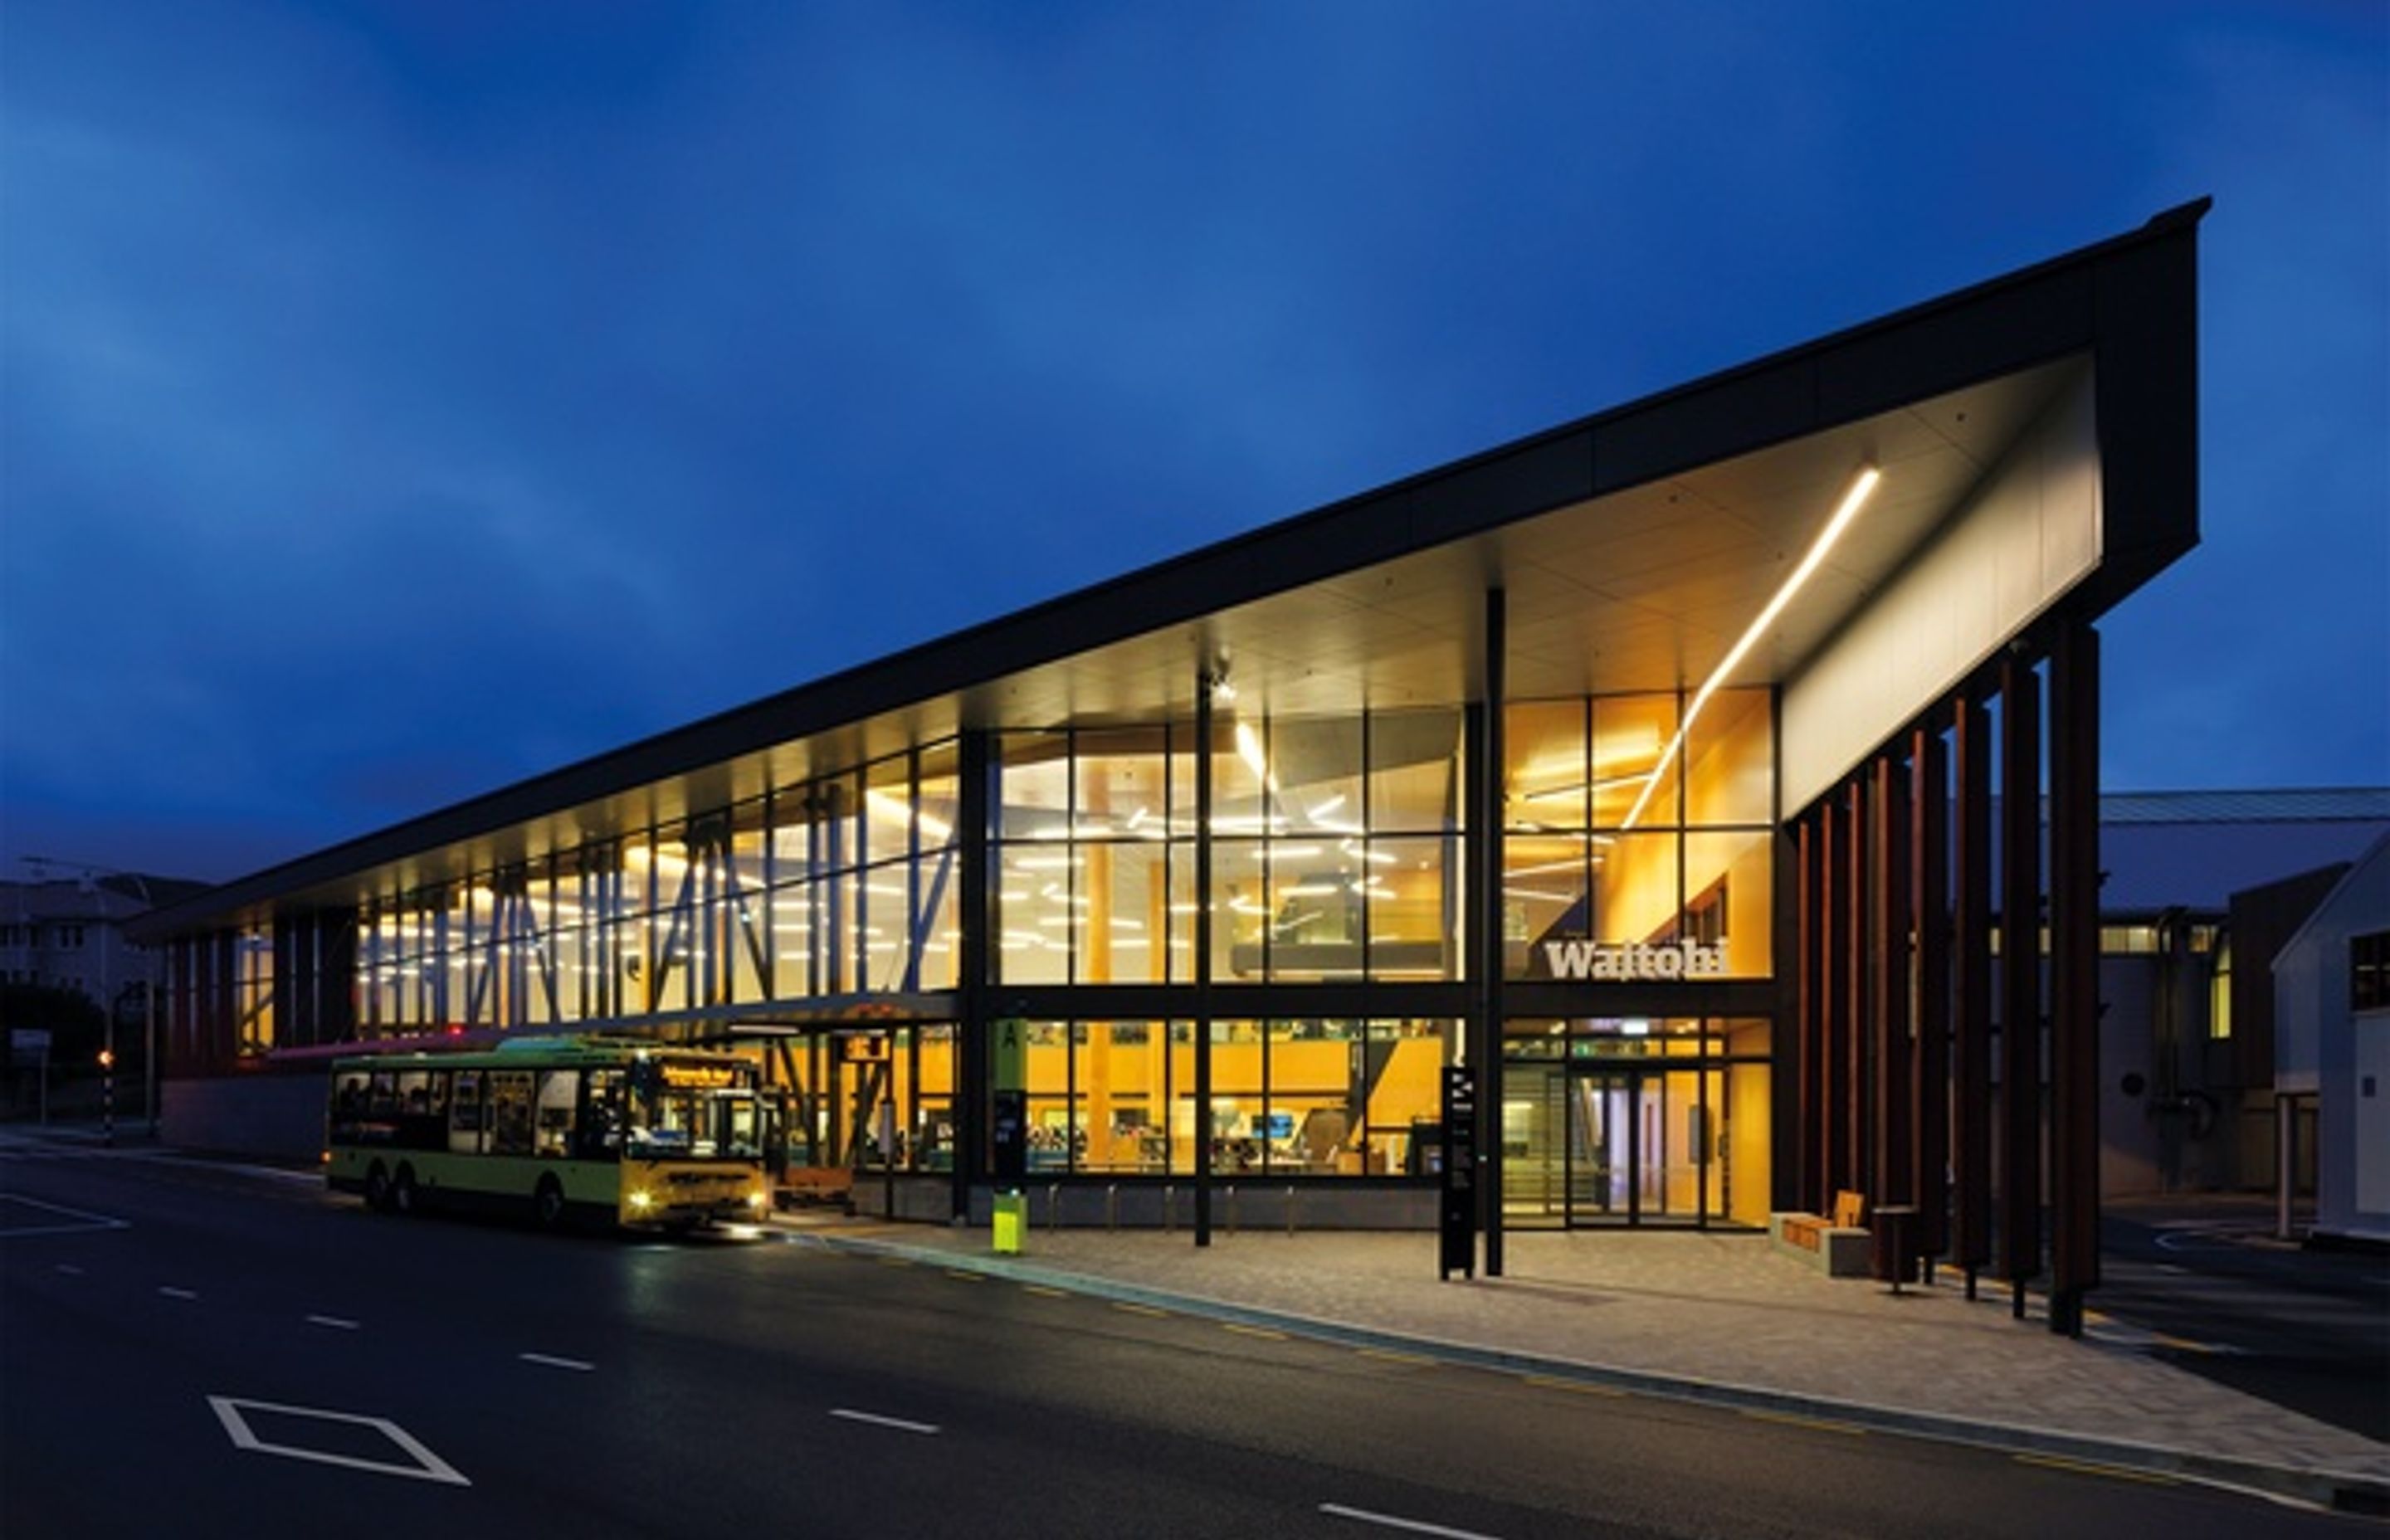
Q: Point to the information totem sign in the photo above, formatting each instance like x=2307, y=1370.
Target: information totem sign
x=1008, y=1123
x=1456, y=1226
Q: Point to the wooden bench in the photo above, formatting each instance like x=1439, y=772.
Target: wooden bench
x=1837, y=1245
x=826, y=1185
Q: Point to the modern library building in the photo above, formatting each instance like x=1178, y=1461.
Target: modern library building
x=1712, y=779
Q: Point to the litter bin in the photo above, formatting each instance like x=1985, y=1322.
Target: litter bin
x=1011, y=1222
x=1895, y=1223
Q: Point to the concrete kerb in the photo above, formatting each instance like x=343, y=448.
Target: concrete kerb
x=2341, y=1491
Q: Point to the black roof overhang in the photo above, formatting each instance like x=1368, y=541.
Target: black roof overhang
x=2128, y=302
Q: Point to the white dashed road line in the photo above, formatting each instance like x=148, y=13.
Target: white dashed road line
x=336, y=1323
x=173, y=1293
x=1389, y=1520
x=900, y=1424
x=548, y=1361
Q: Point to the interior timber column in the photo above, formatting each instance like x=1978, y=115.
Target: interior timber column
x=2074, y=971
x=1929, y=910
x=2020, y=975
x=1970, y=989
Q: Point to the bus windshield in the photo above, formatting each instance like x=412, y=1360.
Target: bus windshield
x=679, y=1121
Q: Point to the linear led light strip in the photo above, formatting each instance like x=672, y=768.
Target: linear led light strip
x=1852, y=502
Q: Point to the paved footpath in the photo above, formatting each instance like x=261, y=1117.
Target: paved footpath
x=1715, y=1319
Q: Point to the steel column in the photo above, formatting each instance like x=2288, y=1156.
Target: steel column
x=2075, y=966
x=1485, y=834
x=1205, y=682
x=975, y=968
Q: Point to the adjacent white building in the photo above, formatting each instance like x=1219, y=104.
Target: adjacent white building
x=2331, y=1047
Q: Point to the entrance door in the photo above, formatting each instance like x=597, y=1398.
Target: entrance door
x=1634, y=1146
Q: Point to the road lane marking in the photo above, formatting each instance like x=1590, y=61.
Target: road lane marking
x=1390, y=1357
x=173, y=1293
x=1040, y=1290
x=1243, y=1330
x=428, y=1466
x=1583, y=1387
x=69, y=1269
x=1137, y=1309
x=551, y=1362
x=336, y=1323
x=900, y=1424
x=1388, y=1520
x=1798, y=1421
x=2085, y=1468
x=966, y=1277
x=82, y=1220
x=897, y=1262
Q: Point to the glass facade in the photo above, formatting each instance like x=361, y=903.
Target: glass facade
x=1334, y=851
x=821, y=924
x=1636, y=1121
x=1625, y=827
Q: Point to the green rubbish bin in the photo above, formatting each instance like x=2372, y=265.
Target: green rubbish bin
x=1011, y=1222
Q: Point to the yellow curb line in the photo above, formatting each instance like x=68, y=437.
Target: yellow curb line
x=1049, y=1293
x=1549, y=1383
x=1243, y=1330
x=2084, y=1468
x=1137, y=1309
x=1819, y=1423
x=1390, y=1357
x=966, y=1278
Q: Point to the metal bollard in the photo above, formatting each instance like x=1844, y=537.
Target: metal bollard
x=1054, y=1207
x=1169, y=1205
x=1290, y=1208
x=1111, y=1206
x=1232, y=1208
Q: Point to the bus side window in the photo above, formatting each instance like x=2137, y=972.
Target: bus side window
x=510, y=1112
x=602, y=1119
x=465, y=1114
x=558, y=1091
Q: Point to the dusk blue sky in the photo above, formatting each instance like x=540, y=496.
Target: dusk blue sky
x=402, y=399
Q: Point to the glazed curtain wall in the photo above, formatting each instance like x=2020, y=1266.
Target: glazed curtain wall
x=840, y=885
x=1335, y=851
x=1294, y=1097
x=1610, y=836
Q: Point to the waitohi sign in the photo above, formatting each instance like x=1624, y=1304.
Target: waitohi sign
x=1636, y=960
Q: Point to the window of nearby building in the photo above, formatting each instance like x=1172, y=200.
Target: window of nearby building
x=2369, y=971
x=70, y=937
x=2220, y=990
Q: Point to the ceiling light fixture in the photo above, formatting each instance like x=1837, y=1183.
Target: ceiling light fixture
x=1852, y=502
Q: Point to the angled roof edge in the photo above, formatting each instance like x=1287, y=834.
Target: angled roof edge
x=2012, y=320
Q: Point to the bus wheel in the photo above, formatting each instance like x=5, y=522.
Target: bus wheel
x=402, y=1191
x=378, y=1188
x=547, y=1203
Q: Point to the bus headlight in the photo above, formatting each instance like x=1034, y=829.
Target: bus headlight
x=641, y=1200
x=757, y=1198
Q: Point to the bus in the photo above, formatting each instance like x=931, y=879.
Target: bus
x=558, y=1129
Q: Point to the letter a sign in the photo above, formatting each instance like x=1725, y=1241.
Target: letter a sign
x=1008, y=1059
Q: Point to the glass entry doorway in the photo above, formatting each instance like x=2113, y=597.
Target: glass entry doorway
x=1634, y=1147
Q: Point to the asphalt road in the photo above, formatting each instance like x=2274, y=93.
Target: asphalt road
x=156, y=1317
x=2309, y=1330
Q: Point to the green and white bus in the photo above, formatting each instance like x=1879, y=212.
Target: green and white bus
x=555, y=1128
